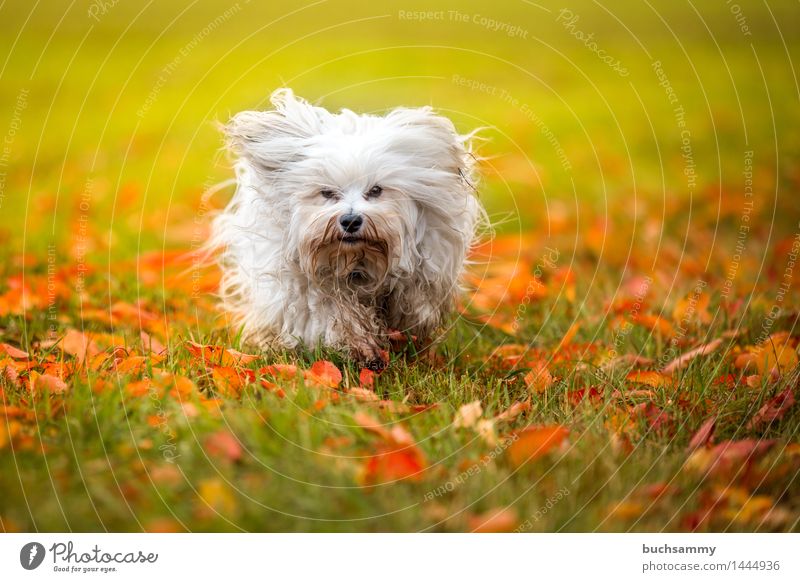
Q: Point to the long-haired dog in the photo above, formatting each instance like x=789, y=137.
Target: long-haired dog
x=344, y=227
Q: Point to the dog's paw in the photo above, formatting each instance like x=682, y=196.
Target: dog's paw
x=370, y=356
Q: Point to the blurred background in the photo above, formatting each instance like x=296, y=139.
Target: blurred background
x=604, y=121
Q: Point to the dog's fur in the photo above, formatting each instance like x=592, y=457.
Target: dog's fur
x=292, y=275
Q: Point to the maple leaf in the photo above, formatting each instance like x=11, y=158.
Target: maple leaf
x=534, y=442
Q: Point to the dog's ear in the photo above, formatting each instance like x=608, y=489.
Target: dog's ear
x=272, y=139
x=432, y=137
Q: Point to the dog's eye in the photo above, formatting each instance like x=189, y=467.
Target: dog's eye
x=374, y=192
x=327, y=194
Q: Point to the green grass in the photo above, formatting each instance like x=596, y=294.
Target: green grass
x=94, y=459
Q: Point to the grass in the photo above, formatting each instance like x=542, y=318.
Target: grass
x=101, y=198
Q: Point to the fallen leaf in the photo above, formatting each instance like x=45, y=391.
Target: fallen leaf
x=324, y=373
x=568, y=336
x=539, y=379
x=534, y=442
x=683, y=360
x=497, y=520
x=650, y=378
x=773, y=410
x=78, y=344
x=223, y=444
x=513, y=411
x=703, y=434
x=13, y=352
x=52, y=384
x=366, y=378
x=468, y=414
x=394, y=463
x=218, y=355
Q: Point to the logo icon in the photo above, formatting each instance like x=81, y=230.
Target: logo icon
x=31, y=555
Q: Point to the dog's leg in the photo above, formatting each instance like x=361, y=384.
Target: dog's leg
x=356, y=329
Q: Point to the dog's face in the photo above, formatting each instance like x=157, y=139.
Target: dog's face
x=355, y=194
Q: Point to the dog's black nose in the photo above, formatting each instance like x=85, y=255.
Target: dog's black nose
x=351, y=223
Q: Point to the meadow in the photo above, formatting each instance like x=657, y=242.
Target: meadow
x=624, y=356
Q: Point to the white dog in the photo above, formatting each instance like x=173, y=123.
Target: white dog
x=345, y=227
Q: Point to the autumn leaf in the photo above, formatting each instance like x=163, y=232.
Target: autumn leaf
x=78, y=344
x=13, y=352
x=324, y=373
x=224, y=445
x=534, y=442
x=568, y=336
x=366, y=378
x=394, y=463
x=46, y=382
x=497, y=520
x=693, y=307
x=650, y=378
x=467, y=415
x=539, y=379
x=216, y=497
x=513, y=411
x=218, y=355
x=230, y=381
x=656, y=324
x=703, y=434
x=683, y=360
x=773, y=410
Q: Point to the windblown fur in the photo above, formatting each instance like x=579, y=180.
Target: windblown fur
x=292, y=274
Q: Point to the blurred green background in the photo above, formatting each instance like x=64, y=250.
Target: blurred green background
x=115, y=104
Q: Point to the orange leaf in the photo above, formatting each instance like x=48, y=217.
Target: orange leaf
x=78, y=344
x=655, y=323
x=15, y=353
x=218, y=355
x=534, y=442
x=498, y=520
x=53, y=384
x=394, y=463
x=324, y=373
x=539, y=378
x=366, y=378
x=513, y=411
x=568, y=336
x=654, y=379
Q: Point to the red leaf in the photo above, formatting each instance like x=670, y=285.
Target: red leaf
x=394, y=463
x=15, y=353
x=773, y=410
x=224, y=445
x=703, y=434
x=366, y=378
